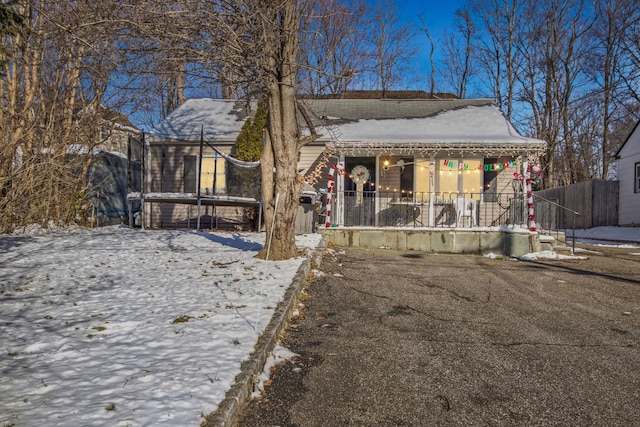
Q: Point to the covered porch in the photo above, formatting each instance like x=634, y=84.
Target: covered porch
x=450, y=190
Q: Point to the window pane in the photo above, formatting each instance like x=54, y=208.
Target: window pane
x=422, y=178
x=448, y=177
x=472, y=178
x=210, y=166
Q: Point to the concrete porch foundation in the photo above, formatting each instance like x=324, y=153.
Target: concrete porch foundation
x=513, y=243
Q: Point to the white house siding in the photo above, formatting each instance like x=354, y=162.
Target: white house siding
x=308, y=155
x=629, y=204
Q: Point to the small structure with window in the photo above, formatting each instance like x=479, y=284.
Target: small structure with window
x=187, y=169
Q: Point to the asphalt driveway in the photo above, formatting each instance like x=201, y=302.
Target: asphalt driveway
x=392, y=339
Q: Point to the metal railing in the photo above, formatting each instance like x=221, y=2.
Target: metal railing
x=548, y=218
x=410, y=209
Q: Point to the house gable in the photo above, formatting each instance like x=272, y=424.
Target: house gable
x=631, y=144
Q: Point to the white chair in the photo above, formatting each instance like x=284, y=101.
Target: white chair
x=465, y=208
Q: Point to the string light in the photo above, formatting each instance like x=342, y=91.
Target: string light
x=490, y=149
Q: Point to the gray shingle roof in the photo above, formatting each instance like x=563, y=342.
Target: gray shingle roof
x=357, y=109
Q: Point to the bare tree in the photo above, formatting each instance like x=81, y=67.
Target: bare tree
x=498, y=23
x=331, y=52
x=611, y=68
x=54, y=82
x=551, y=71
x=631, y=47
x=432, y=48
x=458, y=49
x=391, y=46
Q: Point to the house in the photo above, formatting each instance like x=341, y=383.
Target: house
x=629, y=177
x=414, y=161
x=425, y=162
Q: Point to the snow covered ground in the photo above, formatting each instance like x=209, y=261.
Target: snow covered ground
x=125, y=327
x=608, y=236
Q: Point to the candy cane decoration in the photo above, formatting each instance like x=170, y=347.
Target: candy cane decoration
x=532, y=217
x=330, y=184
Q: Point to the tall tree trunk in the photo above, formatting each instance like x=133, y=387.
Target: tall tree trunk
x=283, y=138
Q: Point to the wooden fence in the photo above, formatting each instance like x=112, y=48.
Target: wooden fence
x=596, y=201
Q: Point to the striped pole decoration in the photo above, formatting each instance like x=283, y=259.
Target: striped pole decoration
x=532, y=217
x=330, y=184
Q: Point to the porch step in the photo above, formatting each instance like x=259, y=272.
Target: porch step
x=547, y=243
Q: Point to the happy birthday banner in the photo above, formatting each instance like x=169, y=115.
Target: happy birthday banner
x=454, y=164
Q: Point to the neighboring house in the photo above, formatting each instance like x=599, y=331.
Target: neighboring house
x=115, y=169
x=117, y=134
x=406, y=161
x=629, y=177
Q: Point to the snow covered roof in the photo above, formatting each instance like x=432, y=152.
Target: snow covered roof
x=381, y=122
x=370, y=123
x=218, y=119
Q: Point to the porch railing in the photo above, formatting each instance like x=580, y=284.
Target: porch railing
x=459, y=210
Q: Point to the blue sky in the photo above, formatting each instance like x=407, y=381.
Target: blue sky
x=438, y=14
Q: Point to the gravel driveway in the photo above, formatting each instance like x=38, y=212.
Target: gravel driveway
x=392, y=339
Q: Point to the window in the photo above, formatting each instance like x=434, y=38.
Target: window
x=471, y=178
x=637, y=179
x=447, y=178
x=213, y=172
x=460, y=176
x=190, y=170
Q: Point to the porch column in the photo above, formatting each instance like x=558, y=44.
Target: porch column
x=530, y=213
x=432, y=188
x=524, y=188
x=376, y=208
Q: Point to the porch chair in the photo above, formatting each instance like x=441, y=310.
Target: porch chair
x=465, y=208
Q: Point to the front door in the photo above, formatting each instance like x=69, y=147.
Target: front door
x=360, y=191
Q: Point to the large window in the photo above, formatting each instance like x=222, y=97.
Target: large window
x=637, y=179
x=446, y=177
x=471, y=177
x=457, y=176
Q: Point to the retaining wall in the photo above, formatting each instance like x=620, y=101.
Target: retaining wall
x=514, y=243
